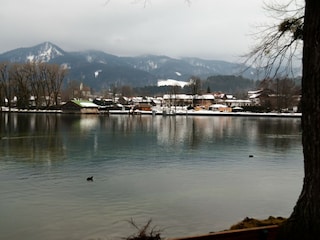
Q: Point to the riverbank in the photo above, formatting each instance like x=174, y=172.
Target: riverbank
x=266, y=233
x=207, y=113
x=16, y=110
x=247, y=229
x=165, y=113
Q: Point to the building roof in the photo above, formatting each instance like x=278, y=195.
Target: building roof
x=177, y=96
x=255, y=92
x=254, y=96
x=85, y=104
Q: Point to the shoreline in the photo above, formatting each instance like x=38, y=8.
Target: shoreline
x=210, y=113
x=164, y=113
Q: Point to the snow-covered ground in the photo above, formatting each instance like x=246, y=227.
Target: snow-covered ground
x=172, y=111
x=6, y=109
x=167, y=112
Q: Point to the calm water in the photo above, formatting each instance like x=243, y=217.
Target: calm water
x=191, y=175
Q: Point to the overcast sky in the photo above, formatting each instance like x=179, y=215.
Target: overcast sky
x=210, y=29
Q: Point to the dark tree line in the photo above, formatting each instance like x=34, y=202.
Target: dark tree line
x=229, y=83
x=26, y=85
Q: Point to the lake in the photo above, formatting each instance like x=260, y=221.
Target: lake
x=189, y=174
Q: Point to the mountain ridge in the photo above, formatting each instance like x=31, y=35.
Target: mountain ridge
x=100, y=70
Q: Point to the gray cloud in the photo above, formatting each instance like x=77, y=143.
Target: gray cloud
x=212, y=29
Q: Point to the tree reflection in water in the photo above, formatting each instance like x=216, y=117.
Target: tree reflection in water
x=48, y=137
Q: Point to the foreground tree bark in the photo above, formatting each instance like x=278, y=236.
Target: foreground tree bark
x=304, y=223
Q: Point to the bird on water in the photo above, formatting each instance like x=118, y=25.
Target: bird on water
x=90, y=178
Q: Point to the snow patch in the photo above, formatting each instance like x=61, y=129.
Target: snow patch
x=30, y=58
x=65, y=66
x=152, y=64
x=96, y=73
x=172, y=82
x=90, y=59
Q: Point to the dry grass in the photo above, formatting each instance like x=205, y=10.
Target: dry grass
x=145, y=232
x=252, y=222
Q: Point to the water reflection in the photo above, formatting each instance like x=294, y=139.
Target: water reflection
x=191, y=174
x=33, y=137
x=51, y=137
x=279, y=133
x=198, y=131
x=40, y=137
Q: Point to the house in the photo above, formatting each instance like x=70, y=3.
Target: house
x=272, y=100
x=143, y=107
x=187, y=99
x=204, y=100
x=80, y=106
x=177, y=99
x=254, y=96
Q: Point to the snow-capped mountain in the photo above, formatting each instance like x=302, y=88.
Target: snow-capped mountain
x=43, y=52
x=98, y=69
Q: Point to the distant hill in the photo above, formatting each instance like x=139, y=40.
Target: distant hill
x=100, y=70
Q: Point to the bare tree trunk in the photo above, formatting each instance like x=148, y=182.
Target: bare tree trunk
x=5, y=87
x=304, y=223
x=21, y=87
